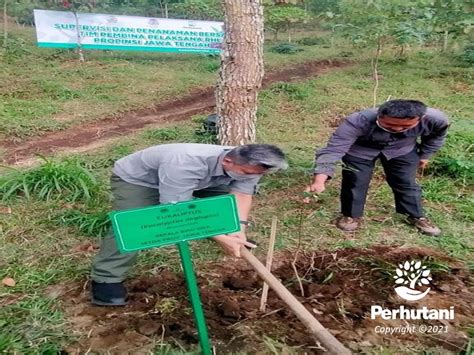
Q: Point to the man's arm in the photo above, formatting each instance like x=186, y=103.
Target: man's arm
x=338, y=145
x=232, y=242
x=432, y=142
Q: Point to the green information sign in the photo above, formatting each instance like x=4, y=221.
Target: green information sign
x=156, y=226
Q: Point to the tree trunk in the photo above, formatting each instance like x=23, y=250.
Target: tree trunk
x=241, y=72
x=5, y=23
x=375, y=66
x=445, y=41
x=79, y=38
x=162, y=9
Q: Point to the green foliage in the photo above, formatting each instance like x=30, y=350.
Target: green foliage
x=467, y=55
x=209, y=66
x=401, y=22
x=67, y=180
x=286, y=48
x=32, y=325
x=278, y=18
x=13, y=49
x=320, y=7
x=312, y=41
x=91, y=224
x=455, y=160
x=206, y=132
x=163, y=134
x=294, y=91
x=198, y=10
x=56, y=90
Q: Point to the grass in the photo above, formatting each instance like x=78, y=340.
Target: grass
x=54, y=90
x=67, y=179
x=62, y=203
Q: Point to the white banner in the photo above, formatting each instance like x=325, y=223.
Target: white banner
x=57, y=29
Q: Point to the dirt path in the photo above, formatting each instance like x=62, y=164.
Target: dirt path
x=89, y=136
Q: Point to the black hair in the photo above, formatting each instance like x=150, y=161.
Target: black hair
x=402, y=109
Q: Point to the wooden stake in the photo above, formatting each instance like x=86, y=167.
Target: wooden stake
x=268, y=265
x=319, y=333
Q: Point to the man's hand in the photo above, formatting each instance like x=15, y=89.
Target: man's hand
x=317, y=185
x=231, y=243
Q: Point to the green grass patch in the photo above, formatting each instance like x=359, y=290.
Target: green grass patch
x=32, y=325
x=67, y=179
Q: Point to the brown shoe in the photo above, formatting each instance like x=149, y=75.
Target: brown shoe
x=424, y=226
x=348, y=224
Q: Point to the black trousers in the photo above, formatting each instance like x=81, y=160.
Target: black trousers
x=400, y=173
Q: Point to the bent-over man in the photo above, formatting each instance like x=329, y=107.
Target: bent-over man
x=178, y=172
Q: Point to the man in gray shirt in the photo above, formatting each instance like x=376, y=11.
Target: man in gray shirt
x=389, y=133
x=178, y=172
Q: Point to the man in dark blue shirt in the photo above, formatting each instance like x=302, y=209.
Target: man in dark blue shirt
x=389, y=133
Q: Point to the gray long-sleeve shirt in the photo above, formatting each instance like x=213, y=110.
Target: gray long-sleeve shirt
x=360, y=136
x=177, y=170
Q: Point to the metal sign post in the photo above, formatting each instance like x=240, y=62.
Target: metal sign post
x=161, y=225
x=194, y=297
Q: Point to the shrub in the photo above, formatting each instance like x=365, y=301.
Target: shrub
x=312, y=41
x=163, y=134
x=455, y=158
x=286, y=48
x=467, y=55
x=294, y=91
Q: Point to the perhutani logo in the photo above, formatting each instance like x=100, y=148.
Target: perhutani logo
x=412, y=274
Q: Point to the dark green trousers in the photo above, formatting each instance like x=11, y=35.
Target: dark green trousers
x=110, y=265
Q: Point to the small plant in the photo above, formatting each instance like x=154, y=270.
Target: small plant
x=345, y=54
x=66, y=179
x=167, y=306
x=207, y=131
x=312, y=41
x=294, y=91
x=455, y=159
x=14, y=48
x=55, y=90
x=467, y=55
x=209, y=66
x=95, y=224
x=163, y=134
x=286, y=48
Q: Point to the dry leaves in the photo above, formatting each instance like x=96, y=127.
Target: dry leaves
x=5, y=210
x=8, y=281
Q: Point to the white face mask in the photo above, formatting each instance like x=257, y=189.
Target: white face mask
x=240, y=176
x=390, y=131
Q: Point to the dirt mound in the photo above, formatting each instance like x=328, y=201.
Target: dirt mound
x=88, y=136
x=339, y=288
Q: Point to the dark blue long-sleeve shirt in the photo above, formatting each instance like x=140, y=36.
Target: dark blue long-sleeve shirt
x=360, y=136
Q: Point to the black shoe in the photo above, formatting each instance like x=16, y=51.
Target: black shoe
x=108, y=294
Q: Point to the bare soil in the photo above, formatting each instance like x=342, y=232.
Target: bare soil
x=83, y=137
x=339, y=288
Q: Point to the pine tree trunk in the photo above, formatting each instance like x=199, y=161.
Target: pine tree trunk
x=241, y=72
